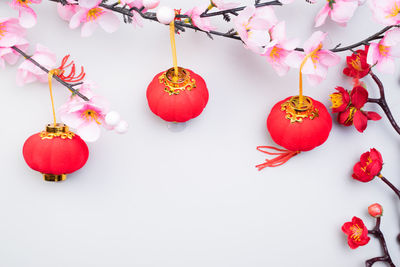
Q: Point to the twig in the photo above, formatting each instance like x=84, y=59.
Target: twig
x=68, y=85
x=394, y=188
x=235, y=10
x=386, y=256
x=382, y=102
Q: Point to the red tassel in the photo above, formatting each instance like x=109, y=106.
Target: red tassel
x=283, y=156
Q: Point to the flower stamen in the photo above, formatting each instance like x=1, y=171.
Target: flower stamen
x=24, y=3
x=395, y=11
x=2, y=30
x=90, y=114
x=94, y=13
x=357, y=232
x=275, y=53
x=337, y=100
x=383, y=50
x=356, y=63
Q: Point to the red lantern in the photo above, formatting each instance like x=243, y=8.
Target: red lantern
x=55, y=152
x=297, y=127
x=177, y=98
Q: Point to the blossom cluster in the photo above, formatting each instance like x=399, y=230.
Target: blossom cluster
x=258, y=28
x=84, y=116
x=349, y=106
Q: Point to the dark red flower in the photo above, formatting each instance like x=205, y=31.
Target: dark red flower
x=340, y=100
x=369, y=166
x=359, y=96
x=357, y=233
x=357, y=66
x=352, y=114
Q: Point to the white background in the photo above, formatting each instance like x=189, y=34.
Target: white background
x=158, y=198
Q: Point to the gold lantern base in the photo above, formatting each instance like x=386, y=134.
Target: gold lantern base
x=54, y=177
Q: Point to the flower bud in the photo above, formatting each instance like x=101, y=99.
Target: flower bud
x=165, y=15
x=375, y=210
x=122, y=127
x=112, y=118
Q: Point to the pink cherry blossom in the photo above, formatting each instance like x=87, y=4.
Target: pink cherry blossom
x=201, y=23
x=382, y=53
x=91, y=15
x=85, y=117
x=28, y=72
x=340, y=11
x=316, y=65
x=253, y=24
x=386, y=11
x=27, y=17
x=66, y=12
x=11, y=32
x=221, y=5
x=277, y=54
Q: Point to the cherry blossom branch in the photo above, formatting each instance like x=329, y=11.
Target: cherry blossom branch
x=68, y=85
x=394, y=188
x=382, y=102
x=126, y=11
x=378, y=234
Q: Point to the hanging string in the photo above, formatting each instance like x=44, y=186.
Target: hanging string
x=50, y=78
x=283, y=156
x=173, y=47
x=310, y=55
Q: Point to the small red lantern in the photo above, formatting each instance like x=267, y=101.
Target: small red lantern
x=55, y=152
x=297, y=126
x=177, y=98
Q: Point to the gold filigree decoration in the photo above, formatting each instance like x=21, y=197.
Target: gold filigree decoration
x=297, y=113
x=46, y=135
x=175, y=84
x=59, y=130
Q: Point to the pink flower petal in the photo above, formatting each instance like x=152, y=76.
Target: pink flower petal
x=67, y=12
x=392, y=37
x=77, y=19
x=281, y=69
x=109, y=22
x=322, y=15
x=294, y=59
x=328, y=58
x=278, y=32
x=343, y=11
x=89, y=132
x=386, y=65
x=373, y=53
x=27, y=17
x=314, y=80
x=314, y=41
x=88, y=28
x=73, y=120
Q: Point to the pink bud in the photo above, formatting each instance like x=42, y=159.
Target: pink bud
x=375, y=210
x=165, y=15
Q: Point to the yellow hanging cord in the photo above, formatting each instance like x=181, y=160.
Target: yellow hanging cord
x=50, y=77
x=313, y=53
x=173, y=47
